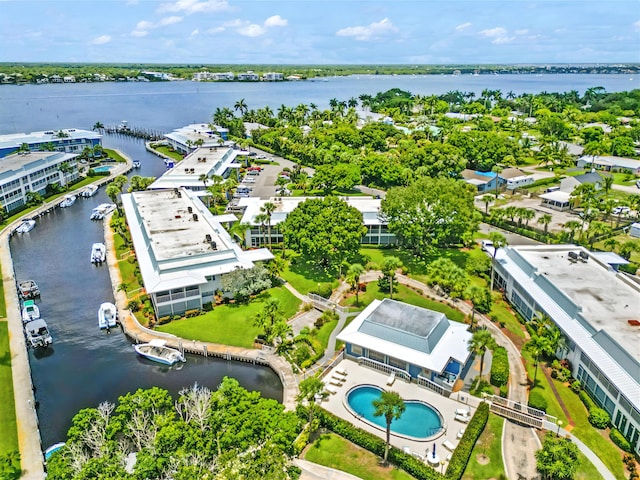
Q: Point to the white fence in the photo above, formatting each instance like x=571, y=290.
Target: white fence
x=323, y=304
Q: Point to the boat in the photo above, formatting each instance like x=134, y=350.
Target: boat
x=28, y=289
x=136, y=164
x=26, y=226
x=98, y=253
x=107, y=315
x=158, y=351
x=89, y=191
x=30, y=311
x=53, y=449
x=37, y=333
x=102, y=211
x=68, y=201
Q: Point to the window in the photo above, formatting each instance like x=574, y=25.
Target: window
x=356, y=350
x=377, y=356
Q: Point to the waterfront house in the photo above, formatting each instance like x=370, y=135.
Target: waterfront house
x=183, y=250
x=70, y=140
x=257, y=234
x=412, y=341
x=248, y=76
x=596, y=309
x=273, y=77
x=21, y=173
x=186, y=139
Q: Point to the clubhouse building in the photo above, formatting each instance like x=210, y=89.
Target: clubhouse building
x=182, y=248
x=597, y=309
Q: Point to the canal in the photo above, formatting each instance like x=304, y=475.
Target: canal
x=86, y=366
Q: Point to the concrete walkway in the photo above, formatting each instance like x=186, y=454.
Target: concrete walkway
x=313, y=471
x=30, y=448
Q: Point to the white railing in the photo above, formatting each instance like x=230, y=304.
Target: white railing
x=324, y=303
x=433, y=386
x=383, y=367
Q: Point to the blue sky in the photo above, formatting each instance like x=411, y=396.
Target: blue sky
x=320, y=32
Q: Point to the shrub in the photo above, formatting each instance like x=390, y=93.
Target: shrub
x=617, y=438
x=536, y=400
x=461, y=454
x=504, y=391
x=323, y=290
x=481, y=386
x=499, y=367
x=586, y=399
x=575, y=386
x=599, y=418
x=133, y=305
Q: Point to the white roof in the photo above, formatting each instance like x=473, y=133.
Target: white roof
x=557, y=196
x=17, y=139
x=612, y=161
x=404, y=338
x=23, y=163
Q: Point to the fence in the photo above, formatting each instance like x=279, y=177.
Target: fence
x=439, y=389
x=519, y=412
x=382, y=367
x=323, y=304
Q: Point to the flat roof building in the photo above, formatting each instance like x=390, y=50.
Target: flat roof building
x=183, y=249
x=21, y=173
x=203, y=161
x=424, y=344
x=70, y=140
x=186, y=139
x=377, y=228
x=597, y=310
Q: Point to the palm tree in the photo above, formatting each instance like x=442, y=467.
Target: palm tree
x=268, y=317
x=24, y=148
x=261, y=219
x=268, y=208
x=98, y=126
x=112, y=191
x=498, y=241
x=474, y=294
x=538, y=345
x=64, y=169
x=480, y=341
x=607, y=182
x=545, y=220
x=391, y=406
x=487, y=199
x=353, y=276
x=240, y=105
x=572, y=226
x=389, y=267
x=309, y=389
x=203, y=178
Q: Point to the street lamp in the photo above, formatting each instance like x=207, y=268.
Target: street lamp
x=559, y=422
x=442, y=462
x=304, y=373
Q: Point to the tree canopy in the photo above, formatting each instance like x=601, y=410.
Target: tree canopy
x=326, y=229
x=431, y=212
x=558, y=458
x=228, y=433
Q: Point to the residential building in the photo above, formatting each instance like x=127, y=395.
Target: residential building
x=483, y=181
x=207, y=161
x=69, y=79
x=556, y=200
x=186, y=139
x=248, y=76
x=568, y=184
x=213, y=76
x=610, y=164
x=419, y=343
x=273, y=77
x=377, y=228
x=70, y=140
x=183, y=250
x=21, y=173
x=596, y=309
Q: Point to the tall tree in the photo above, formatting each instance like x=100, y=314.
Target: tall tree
x=480, y=342
x=268, y=208
x=389, y=267
x=309, y=388
x=391, y=406
x=558, y=458
x=539, y=345
x=498, y=241
x=353, y=277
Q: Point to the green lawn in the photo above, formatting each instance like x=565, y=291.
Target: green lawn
x=307, y=276
x=3, y=303
x=231, y=324
x=115, y=155
x=587, y=470
x=170, y=153
x=325, y=332
x=502, y=311
x=623, y=238
x=9, y=437
x=542, y=387
x=404, y=294
x=334, y=451
x=486, y=457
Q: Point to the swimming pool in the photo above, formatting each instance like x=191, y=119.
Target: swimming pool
x=103, y=168
x=419, y=420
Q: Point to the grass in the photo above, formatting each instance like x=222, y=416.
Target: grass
x=3, y=303
x=231, y=324
x=115, y=155
x=307, y=276
x=334, y=451
x=489, y=445
x=170, y=153
x=587, y=470
x=9, y=437
x=404, y=294
x=324, y=332
x=503, y=313
x=543, y=388
x=623, y=238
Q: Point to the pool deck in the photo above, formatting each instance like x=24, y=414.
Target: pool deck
x=360, y=375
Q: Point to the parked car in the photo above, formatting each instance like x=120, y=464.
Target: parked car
x=638, y=183
x=621, y=211
x=486, y=244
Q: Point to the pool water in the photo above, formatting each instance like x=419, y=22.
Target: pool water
x=419, y=420
x=103, y=168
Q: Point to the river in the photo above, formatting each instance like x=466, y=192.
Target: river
x=86, y=366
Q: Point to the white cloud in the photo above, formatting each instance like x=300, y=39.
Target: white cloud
x=216, y=30
x=168, y=21
x=194, y=6
x=502, y=40
x=493, y=32
x=276, y=21
x=195, y=32
x=235, y=23
x=252, y=30
x=101, y=40
x=139, y=33
x=636, y=25
x=463, y=26
x=368, y=32
x=524, y=31
x=143, y=26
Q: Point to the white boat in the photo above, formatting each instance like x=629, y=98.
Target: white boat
x=89, y=191
x=102, y=211
x=26, y=226
x=68, y=201
x=53, y=449
x=107, y=315
x=158, y=351
x=30, y=311
x=98, y=253
x=136, y=164
x=37, y=333
x=28, y=289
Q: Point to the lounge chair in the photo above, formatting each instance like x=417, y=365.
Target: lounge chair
x=330, y=389
x=341, y=371
x=338, y=378
x=391, y=379
x=338, y=375
x=462, y=411
x=335, y=382
x=462, y=418
x=460, y=433
x=448, y=445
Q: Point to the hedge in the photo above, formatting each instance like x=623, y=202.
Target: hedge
x=617, y=438
x=537, y=400
x=375, y=445
x=499, y=367
x=460, y=457
x=586, y=399
x=599, y=418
